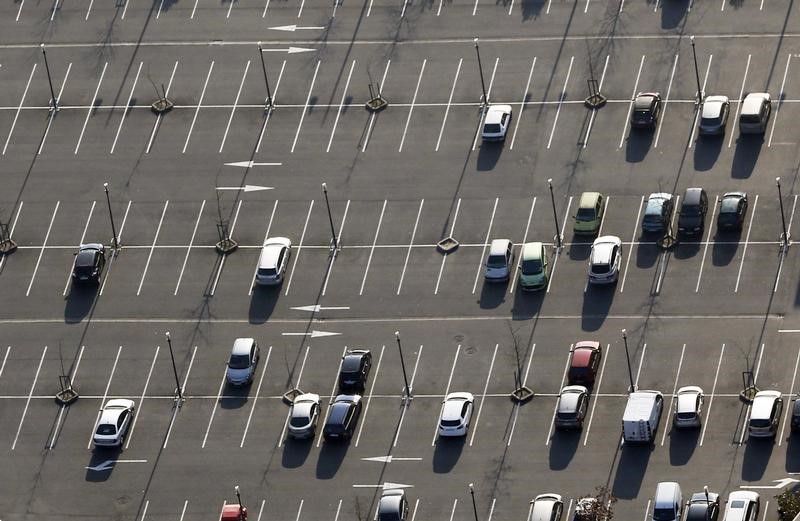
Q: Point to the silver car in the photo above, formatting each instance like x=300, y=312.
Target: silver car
x=242, y=362
x=304, y=416
x=688, y=407
x=714, y=115
x=273, y=261
x=455, y=415
x=496, y=123
x=115, y=420
x=572, y=405
x=604, y=261
x=498, y=263
x=393, y=505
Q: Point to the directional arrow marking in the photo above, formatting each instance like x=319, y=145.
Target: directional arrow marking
x=385, y=486
x=246, y=188
x=312, y=334
x=316, y=308
x=389, y=459
x=251, y=164
x=109, y=463
x=293, y=28
x=779, y=483
x=290, y=50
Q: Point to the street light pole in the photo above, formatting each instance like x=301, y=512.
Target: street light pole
x=49, y=79
x=270, y=105
x=111, y=216
x=403, y=365
x=480, y=70
x=174, y=368
x=555, y=214
x=785, y=236
x=696, y=72
x=628, y=358
x=472, y=493
x=330, y=217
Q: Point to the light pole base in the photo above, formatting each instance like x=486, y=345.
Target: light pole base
x=7, y=246
x=558, y=241
x=407, y=397
x=269, y=106
x=786, y=241
x=667, y=242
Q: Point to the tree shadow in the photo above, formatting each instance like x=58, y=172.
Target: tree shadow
x=637, y=145
x=447, y=453
x=706, y=151
x=79, y=302
x=596, y=305
x=331, y=457
x=632, y=465
x=756, y=458
x=493, y=294
x=748, y=148
x=262, y=303
x=682, y=443
x=488, y=155
x=563, y=446
x=295, y=452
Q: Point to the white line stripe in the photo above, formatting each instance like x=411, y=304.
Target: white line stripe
x=699, y=107
x=560, y=102
x=524, y=241
x=485, y=243
x=411, y=384
x=19, y=107
x=125, y=10
x=176, y=406
x=744, y=250
x=11, y=234
x=741, y=95
x=372, y=250
x=334, y=257
x=266, y=237
x=517, y=405
x=255, y=399
x=269, y=112
x=125, y=110
x=91, y=107
x=299, y=247
x=296, y=386
x=300, y=12
x=641, y=362
x=410, y=245
x=155, y=239
x=83, y=236
x=214, y=407
x=413, y=101
x=791, y=392
x=666, y=101
x=331, y=395
x=266, y=6
x=780, y=99
x=369, y=396
x=189, y=247
x=105, y=396
x=114, y=256
x=522, y=103
x=5, y=359
x=446, y=392
x=558, y=253
x=197, y=110
x=53, y=112
x=630, y=250
x=449, y=101
x=19, y=11
x=141, y=398
x=89, y=10
x=159, y=117
x=222, y=262
x=305, y=108
x=474, y=426
x=596, y=393
x=373, y=115
x=555, y=407
x=61, y=410
x=341, y=104
x=711, y=400
x=672, y=398
x=235, y=102
x=44, y=244
x=230, y=7
x=594, y=112
x=708, y=240
x=444, y=255
x=630, y=105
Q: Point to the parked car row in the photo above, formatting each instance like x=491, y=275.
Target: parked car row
x=668, y=505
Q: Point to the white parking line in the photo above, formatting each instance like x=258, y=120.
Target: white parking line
x=744, y=250
x=141, y=398
x=83, y=236
x=485, y=107
x=630, y=105
x=105, y=396
x=561, y=386
x=755, y=379
x=255, y=398
x=791, y=392
x=708, y=241
x=474, y=426
x=19, y=107
x=89, y=10
x=197, y=109
x=603, y=220
x=444, y=256
x=230, y=8
x=159, y=117
x=630, y=249
x=475, y=8
x=152, y=247
x=333, y=391
x=235, y=102
x=299, y=247
x=305, y=107
x=596, y=392
x=341, y=104
x=189, y=247
x=662, y=257
x=711, y=400
x=561, y=97
x=485, y=243
x=124, y=11
x=30, y=394
x=673, y=396
x=214, y=407
x=19, y=11
x=410, y=384
x=5, y=359
x=63, y=407
x=699, y=108
x=11, y=234
x=781, y=95
x=176, y=407
x=114, y=255
x=449, y=101
x=372, y=116
x=594, y=112
x=44, y=245
x=446, y=392
x=222, y=261
x=369, y=396
x=91, y=107
x=372, y=250
x=296, y=386
x=413, y=101
x=666, y=101
x=522, y=103
x=266, y=236
x=410, y=245
x=783, y=250
x=557, y=254
x=516, y=404
x=127, y=107
x=54, y=112
x=524, y=240
x=741, y=95
x=335, y=256
x=641, y=362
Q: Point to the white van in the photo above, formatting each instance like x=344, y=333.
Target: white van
x=641, y=417
x=755, y=112
x=668, y=502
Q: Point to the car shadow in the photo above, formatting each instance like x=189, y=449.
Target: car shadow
x=746, y=155
x=488, y=155
x=673, y=12
x=596, y=305
x=792, y=453
x=102, y=459
x=79, y=302
x=638, y=144
x=706, y=151
x=563, y=446
x=331, y=457
x=234, y=396
x=447, y=452
x=631, y=468
x=723, y=253
x=687, y=247
x=647, y=254
x=493, y=294
x=262, y=303
x=682, y=443
x=581, y=248
x=527, y=303
x=531, y=9
x=756, y=457
x=295, y=452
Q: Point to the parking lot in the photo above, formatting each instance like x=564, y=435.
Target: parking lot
x=398, y=181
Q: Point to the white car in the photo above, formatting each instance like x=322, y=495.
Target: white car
x=455, y=415
x=496, y=122
x=605, y=260
x=304, y=415
x=688, y=407
x=273, y=261
x=742, y=505
x=498, y=263
x=714, y=115
x=115, y=420
x=242, y=362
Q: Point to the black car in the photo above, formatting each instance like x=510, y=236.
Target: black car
x=704, y=506
x=342, y=417
x=89, y=263
x=646, y=109
x=732, y=210
x=795, y=421
x=355, y=370
x=693, y=211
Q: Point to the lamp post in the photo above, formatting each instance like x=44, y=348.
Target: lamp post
x=472, y=493
x=49, y=79
x=785, y=236
x=330, y=217
x=696, y=72
x=480, y=70
x=115, y=241
x=705, y=489
x=628, y=358
x=174, y=368
x=270, y=105
x=403, y=365
x=239, y=500
x=555, y=214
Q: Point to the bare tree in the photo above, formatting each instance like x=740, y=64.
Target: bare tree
x=596, y=507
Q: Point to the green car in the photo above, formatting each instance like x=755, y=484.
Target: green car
x=533, y=268
x=590, y=214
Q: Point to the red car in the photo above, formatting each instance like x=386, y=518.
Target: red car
x=584, y=363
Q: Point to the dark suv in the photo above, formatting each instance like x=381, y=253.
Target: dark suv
x=355, y=370
x=342, y=417
x=693, y=212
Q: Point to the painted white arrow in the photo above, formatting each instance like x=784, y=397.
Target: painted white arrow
x=107, y=464
x=316, y=308
x=251, y=164
x=312, y=334
x=293, y=28
x=779, y=483
x=385, y=486
x=290, y=50
x=389, y=459
x=245, y=188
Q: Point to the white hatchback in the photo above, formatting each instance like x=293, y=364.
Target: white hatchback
x=496, y=122
x=273, y=261
x=455, y=415
x=688, y=407
x=115, y=420
x=605, y=260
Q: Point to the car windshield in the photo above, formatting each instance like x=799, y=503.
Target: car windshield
x=351, y=364
x=642, y=113
x=690, y=210
x=585, y=214
x=451, y=423
x=491, y=128
x=652, y=217
x=84, y=259
x=750, y=118
x=759, y=423
x=106, y=429
x=737, y=504
x=239, y=362
x=389, y=516
x=601, y=268
x=566, y=415
x=697, y=513
x=711, y=121
x=685, y=415
x=298, y=421
x=663, y=514
x=267, y=272
x=531, y=267
x=496, y=261
x=729, y=205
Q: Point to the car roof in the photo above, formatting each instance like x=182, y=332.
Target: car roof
x=532, y=251
x=762, y=404
x=752, y=102
x=712, y=106
x=589, y=199
x=352, y=361
x=645, y=100
x=390, y=503
x=495, y=113
x=543, y=506
x=581, y=357
x=687, y=402
x=302, y=409
x=271, y=250
x=91, y=246
x=602, y=248
x=747, y=495
x=113, y=409
x=692, y=196
x=568, y=399
x=241, y=346
x=655, y=201
x=453, y=404
x=499, y=246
